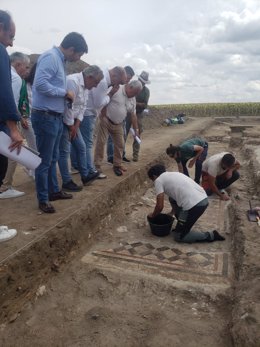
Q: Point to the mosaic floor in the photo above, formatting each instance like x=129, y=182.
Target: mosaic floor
x=171, y=259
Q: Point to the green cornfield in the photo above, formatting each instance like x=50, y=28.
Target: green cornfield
x=211, y=109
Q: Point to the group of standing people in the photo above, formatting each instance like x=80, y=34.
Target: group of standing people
x=57, y=115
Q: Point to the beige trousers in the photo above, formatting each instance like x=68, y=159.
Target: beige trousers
x=28, y=134
x=105, y=127
x=9, y=177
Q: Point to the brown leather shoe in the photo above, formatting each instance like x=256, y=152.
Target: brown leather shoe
x=46, y=207
x=60, y=196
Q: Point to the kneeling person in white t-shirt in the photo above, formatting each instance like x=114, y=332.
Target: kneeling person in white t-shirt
x=219, y=172
x=188, y=201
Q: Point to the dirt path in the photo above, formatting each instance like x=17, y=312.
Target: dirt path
x=31, y=223
x=121, y=285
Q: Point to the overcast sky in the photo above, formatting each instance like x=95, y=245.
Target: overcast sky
x=194, y=50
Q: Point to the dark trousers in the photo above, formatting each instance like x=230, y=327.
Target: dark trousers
x=198, y=164
x=186, y=220
x=222, y=183
x=3, y=167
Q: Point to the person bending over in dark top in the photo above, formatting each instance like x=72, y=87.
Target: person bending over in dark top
x=195, y=149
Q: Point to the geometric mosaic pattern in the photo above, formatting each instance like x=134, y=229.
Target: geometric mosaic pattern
x=172, y=259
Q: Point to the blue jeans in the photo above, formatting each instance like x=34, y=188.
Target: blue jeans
x=79, y=148
x=87, y=127
x=48, y=130
x=110, y=148
x=198, y=164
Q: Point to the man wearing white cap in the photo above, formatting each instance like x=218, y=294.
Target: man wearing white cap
x=141, y=104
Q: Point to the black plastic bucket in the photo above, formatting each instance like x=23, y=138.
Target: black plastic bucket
x=161, y=225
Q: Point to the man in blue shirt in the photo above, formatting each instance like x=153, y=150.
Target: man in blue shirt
x=49, y=97
x=8, y=112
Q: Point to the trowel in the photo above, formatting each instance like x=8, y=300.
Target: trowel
x=253, y=214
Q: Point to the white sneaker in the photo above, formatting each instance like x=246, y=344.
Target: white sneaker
x=223, y=191
x=101, y=176
x=6, y=234
x=11, y=193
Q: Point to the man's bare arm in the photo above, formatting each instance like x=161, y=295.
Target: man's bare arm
x=159, y=205
x=17, y=139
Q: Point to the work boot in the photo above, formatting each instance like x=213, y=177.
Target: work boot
x=217, y=236
x=126, y=160
x=71, y=186
x=117, y=171
x=89, y=178
x=46, y=207
x=60, y=196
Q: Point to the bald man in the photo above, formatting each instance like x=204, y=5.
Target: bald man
x=111, y=120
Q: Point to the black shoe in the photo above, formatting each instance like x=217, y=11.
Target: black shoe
x=126, y=160
x=117, y=171
x=217, y=236
x=71, y=186
x=110, y=160
x=46, y=207
x=90, y=177
x=60, y=196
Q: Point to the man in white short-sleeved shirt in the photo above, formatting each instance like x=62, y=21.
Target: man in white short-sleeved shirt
x=218, y=172
x=111, y=121
x=188, y=201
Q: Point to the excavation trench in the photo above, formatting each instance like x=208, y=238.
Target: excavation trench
x=121, y=285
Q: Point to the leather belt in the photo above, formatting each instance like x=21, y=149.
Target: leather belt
x=48, y=112
x=112, y=122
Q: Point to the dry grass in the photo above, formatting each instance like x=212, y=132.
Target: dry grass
x=211, y=109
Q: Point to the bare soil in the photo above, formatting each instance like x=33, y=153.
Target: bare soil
x=94, y=275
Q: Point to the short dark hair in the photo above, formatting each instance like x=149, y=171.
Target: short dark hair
x=228, y=160
x=30, y=78
x=172, y=150
x=156, y=170
x=76, y=41
x=129, y=71
x=5, y=19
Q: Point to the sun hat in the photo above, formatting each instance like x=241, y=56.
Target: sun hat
x=144, y=77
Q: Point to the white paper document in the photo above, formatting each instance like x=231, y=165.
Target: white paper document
x=137, y=139
x=26, y=157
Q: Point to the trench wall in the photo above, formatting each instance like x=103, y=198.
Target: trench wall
x=22, y=273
